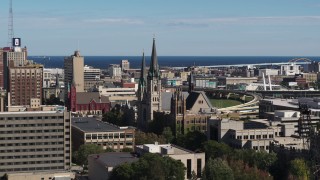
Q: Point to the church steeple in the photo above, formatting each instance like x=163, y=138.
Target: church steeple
x=142, y=80
x=154, y=66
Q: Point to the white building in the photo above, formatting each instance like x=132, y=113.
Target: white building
x=115, y=70
x=191, y=160
x=289, y=70
x=125, y=64
x=267, y=72
x=105, y=91
x=50, y=75
x=255, y=135
x=91, y=74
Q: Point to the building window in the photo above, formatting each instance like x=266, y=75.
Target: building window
x=199, y=170
x=251, y=136
x=265, y=136
x=188, y=168
x=245, y=137
x=270, y=135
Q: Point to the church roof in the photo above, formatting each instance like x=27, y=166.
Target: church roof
x=166, y=100
x=193, y=96
x=87, y=97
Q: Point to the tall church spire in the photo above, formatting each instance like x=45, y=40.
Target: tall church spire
x=143, y=70
x=154, y=66
x=142, y=80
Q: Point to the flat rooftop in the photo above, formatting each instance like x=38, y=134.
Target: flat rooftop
x=156, y=148
x=112, y=159
x=284, y=102
x=90, y=124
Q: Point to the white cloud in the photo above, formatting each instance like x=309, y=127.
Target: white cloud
x=114, y=21
x=204, y=22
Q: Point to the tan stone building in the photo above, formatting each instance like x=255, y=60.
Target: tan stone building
x=93, y=131
x=194, y=162
x=190, y=114
x=35, y=140
x=25, y=82
x=73, y=72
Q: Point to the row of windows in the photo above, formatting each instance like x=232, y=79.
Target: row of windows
x=261, y=148
x=115, y=144
x=33, y=131
x=30, y=150
x=108, y=136
x=32, y=125
x=32, y=169
x=265, y=136
x=30, y=162
x=31, y=144
x=31, y=118
x=193, y=121
x=203, y=128
x=31, y=137
x=33, y=156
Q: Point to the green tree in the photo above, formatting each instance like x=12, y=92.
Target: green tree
x=299, y=169
x=150, y=167
x=193, y=176
x=80, y=156
x=148, y=138
x=192, y=140
x=214, y=149
x=217, y=169
x=123, y=172
x=167, y=134
x=114, y=116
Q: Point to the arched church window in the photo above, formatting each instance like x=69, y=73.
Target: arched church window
x=155, y=88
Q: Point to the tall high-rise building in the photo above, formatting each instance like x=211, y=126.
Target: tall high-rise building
x=25, y=83
x=151, y=99
x=91, y=74
x=125, y=64
x=16, y=57
x=114, y=70
x=73, y=73
x=2, y=50
x=35, y=141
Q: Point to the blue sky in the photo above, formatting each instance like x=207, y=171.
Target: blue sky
x=181, y=27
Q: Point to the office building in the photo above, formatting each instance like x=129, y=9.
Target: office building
x=25, y=83
x=194, y=162
x=88, y=130
x=289, y=70
x=91, y=74
x=115, y=71
x=73, y=73
x=91, y=78
x=16, y=56
x=125, y=64
x=101, y=165
x=34, y=140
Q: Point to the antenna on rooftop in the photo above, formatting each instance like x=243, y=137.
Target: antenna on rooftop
x=10, y=26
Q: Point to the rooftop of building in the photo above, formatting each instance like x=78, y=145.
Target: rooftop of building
x=112, y=159
x=90, y=124
x=31, y=112
x=283, y=102
x=87, y=97
x=170, y=149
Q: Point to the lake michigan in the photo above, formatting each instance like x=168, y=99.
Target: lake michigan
x=103, y=62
